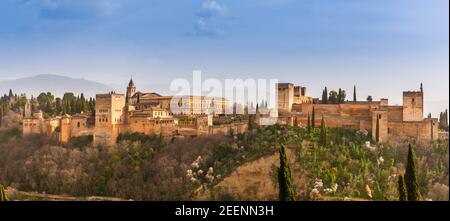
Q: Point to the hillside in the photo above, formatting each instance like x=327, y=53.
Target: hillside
x=56, y=84
x=255, y=180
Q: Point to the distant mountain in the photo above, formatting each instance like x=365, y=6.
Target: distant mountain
x=55, y=84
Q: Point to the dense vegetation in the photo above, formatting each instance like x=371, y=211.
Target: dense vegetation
x=47, y=103
x=336, y=162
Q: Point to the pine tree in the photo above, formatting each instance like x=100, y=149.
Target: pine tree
x=377, y=130
x=354, y=93
x=402, y=194
x=285, y=184
x=313, y=118
x=323, y=133
x=412, y=187
x=3, y=196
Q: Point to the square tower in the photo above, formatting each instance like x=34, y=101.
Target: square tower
x=109, y=117
x=412, y=106
x=285, y=96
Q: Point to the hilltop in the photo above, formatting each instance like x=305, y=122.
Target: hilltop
x=56, y=84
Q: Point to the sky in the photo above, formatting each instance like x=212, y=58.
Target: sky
x=382, y=46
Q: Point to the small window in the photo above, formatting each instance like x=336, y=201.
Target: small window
x=413, y=100
x=78, y=125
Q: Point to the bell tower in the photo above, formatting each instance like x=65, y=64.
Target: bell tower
x=131, y=90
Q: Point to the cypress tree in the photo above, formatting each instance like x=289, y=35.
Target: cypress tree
x=313, y=118
x=323, y=133
x=324, y=97
x=354, y=93
x=285, y=185
x=309, y=124
x=402, y=194
x=3, y=196
x=339, y=96
x=377, y=130
x=412, y=187
x=1, y=115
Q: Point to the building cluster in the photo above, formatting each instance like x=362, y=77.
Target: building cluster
x=152, y=113
x=405, y=120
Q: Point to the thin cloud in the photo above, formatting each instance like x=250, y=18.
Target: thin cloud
x=211, y=19
x=73, y=9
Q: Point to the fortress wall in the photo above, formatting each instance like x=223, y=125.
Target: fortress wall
x=395, y=113
x=357, y=109
x=79, y=127
x=226, y=129
x=410, y=128
x=32, y=126
x=429, y=129
x=425, y=130
x=332, y=121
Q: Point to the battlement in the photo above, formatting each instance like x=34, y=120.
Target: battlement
x=416, y=93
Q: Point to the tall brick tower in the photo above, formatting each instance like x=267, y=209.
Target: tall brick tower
x=413, y=105
x=109, y=118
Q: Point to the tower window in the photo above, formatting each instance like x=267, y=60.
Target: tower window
x=78, y=124
x=413, y=100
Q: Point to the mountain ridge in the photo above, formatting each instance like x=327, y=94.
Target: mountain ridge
x=56, y=84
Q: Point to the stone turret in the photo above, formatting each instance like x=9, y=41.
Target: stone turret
x=131, y=90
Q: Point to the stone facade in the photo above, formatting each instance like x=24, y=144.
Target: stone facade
x=289, y=95
x=406, y=120
x=63, y=128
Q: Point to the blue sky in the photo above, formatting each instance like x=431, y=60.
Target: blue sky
x=382, y=46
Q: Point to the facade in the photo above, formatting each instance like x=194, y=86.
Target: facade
x=290, y=95
x=152, y=113
x=62, y=127
x=406, y=120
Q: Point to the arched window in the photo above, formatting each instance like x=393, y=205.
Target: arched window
x=78, y=124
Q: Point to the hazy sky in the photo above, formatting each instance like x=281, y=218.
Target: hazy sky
x=382, y=46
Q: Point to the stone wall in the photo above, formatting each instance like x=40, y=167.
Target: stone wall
x=412, y=106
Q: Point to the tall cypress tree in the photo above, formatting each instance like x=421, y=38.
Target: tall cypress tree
x=285, y=185
x=354, y=93
x=412, y=187
x=324, y=97
x=1, y=114
x=308, y=127
x=323, y=133
x=377, y=130
x=325, y=92
x=339, y=96
x=313, y=118
x=402, y=194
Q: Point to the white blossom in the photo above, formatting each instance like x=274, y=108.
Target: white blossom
x=380, y=160
x=314, y=194
x=195, y=165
